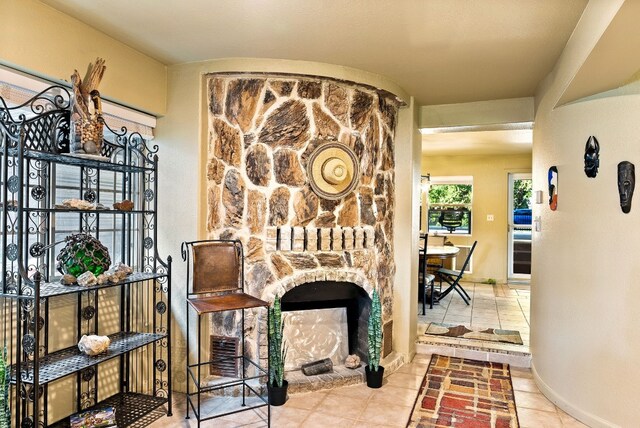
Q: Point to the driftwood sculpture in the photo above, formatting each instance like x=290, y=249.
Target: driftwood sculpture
x=86, y=113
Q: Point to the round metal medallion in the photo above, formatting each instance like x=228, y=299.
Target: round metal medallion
x=13, y=184
x=88, y=374
x=32, y=324
x=12, y=252
x=161, y=365
x=27, y=422
x=90, y=195
x=148, y=243
x=148, y=195
x=88, y=312
x=161, y=307
x=38, y=193
x=36, y=249
x=28, y=343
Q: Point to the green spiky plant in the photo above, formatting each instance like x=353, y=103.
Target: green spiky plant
x=276, y=350
x=375, y=332
x=5, y=374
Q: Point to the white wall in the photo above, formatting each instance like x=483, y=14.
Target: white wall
x=585, y=339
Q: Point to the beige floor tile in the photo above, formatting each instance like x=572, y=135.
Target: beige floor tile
x=361, y=391
x=307, y=401
x=320, y=420
x=362, y=424
x=524, y=384
x=533, y=400
x=530, y=418
x=290, y=418
x=394, y=395
x=403, y=380
x=569, y=421
x=414, y=369
x=521, y=373
x=389, y=414
x=342, y=406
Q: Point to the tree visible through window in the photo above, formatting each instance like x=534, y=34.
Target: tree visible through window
x=450, y=207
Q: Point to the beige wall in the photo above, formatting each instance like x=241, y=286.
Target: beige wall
x=585, y=340
x=490, y=188
x=182, y=136
x=38, y=39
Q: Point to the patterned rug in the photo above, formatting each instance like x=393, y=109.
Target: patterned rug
x=464, y=393
x=488, y=334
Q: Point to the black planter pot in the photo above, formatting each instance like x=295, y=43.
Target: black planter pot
x=278, y=394
x=374, y=378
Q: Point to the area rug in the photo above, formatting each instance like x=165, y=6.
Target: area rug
x=464, y=393
x=488, y=334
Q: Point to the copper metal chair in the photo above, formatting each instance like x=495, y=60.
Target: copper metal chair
x=215, y=283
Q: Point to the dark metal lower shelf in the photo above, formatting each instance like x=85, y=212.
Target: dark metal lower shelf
x=131, y=409
x=70, y=360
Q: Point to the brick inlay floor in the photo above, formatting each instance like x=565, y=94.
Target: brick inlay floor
x=464, y=393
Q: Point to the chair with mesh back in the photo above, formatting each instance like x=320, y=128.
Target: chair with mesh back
x=453, y=278
x=451, y=219
x=425, y=279
x=215, y=283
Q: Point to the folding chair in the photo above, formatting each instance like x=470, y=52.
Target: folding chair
x=453, y=277
x=424, y=278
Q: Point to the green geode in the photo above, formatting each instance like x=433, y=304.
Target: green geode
x=81, y=254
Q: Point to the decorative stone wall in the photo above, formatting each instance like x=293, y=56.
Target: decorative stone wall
x=262, y=130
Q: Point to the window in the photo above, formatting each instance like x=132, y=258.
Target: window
x=450, y=205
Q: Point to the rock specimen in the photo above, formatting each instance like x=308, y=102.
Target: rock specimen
x=317, y=367
x=117, y=273
x=93, y=345
x=78, y=204
x=68, y=279
x=125, y=205
x=87, y=279
x=352, y=362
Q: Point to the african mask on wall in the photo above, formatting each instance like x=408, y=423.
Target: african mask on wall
x=552, y=176
x=591, y=157
x=626, y=183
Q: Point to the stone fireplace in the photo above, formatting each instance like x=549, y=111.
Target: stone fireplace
x=314, y=252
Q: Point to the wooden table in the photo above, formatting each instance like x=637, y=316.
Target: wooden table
x=437, y=252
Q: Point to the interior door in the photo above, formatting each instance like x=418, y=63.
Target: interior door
x=519, y=226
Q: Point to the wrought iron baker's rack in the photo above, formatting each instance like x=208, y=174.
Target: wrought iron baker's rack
x=135, y=373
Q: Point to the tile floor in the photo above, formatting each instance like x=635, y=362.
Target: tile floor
x=389, y=406
x=492, y=306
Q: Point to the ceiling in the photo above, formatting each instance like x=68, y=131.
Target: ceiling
x=502, y=142
x=439, y=51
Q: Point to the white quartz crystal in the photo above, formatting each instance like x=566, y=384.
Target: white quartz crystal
x=93, y=345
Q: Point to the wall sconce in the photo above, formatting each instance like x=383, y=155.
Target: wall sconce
x=425, y=182
x=538, y=196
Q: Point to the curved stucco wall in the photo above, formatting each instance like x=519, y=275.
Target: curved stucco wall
x=585, y=314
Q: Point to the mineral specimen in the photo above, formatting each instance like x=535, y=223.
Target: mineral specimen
x=93, y=345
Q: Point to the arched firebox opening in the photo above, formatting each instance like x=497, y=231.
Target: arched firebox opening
x=315, y=316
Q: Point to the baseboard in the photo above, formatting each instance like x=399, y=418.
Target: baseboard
x=586, y=418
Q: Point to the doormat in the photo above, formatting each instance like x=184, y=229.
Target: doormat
x=488, y=334
x=459, y=392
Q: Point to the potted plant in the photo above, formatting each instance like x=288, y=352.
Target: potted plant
x=374, y=370
x=277, y=385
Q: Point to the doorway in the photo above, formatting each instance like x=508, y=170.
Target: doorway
x=519, y=227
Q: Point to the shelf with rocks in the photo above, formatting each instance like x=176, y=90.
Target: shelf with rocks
x=85, y=161
x=64, y=362
x=131, y=409
x=52, y=289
